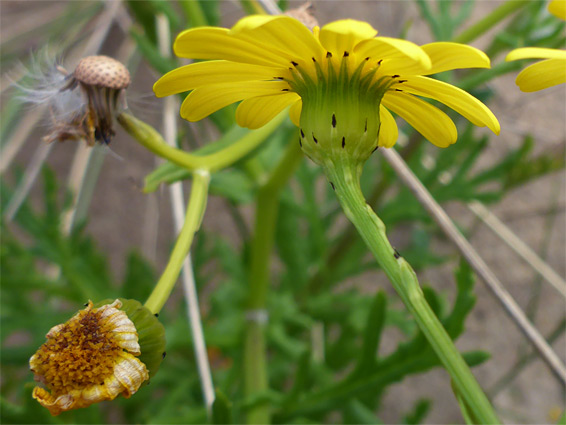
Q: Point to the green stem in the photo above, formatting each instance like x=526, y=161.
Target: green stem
x=344, y=177
x=152, y=140
x=194, y=13
x=193, y=219
x=255, y=366
x=480, y=27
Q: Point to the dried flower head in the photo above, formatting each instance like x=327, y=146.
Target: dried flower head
x=88, y=359
x=82, y=103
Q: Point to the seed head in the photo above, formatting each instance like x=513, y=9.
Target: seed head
x=102, y=71
x=304, y=14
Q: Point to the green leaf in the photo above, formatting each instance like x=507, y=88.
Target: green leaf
x=358, y=413
x=291, y=247
x=419, y=412
x=150, y=51
x=372, y=335
x=234, y=185
x=139, y=278
x=221, y=409
x=464, y=303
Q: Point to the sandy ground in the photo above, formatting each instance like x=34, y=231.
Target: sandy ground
x=534, y=396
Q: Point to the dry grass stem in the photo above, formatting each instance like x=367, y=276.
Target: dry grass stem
x=517, y=245
x=476, y=262
x=178, y=206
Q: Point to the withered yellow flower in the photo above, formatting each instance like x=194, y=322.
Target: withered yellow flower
x=88, y=359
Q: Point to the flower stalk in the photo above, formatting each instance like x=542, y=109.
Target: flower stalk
x=255, y=363
x=344, y=176
x=193, y=219
x=152, y=140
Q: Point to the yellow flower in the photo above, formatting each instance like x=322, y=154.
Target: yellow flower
x=339, y=79
x=88, y=359
x=545, y=74
x=540, y=75
x=558, y=8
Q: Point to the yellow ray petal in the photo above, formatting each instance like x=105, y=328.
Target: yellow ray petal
x=295, y=112
x=255, y=112
x=431, y=122
x=388, y=132
x=283, y=33
x=446, y=56
x=203, y=101
x=341, y=36
x=217, y=43
x=558, y=8
x=542, y=75
x=535, y=53
x=195, y=75
x=398, y=56
x=455, y=98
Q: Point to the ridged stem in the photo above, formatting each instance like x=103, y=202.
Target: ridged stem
x=344, y=177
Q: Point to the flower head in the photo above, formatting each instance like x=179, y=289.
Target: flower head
x=88, y=359
x=549, y=72
x=341, y=82
x=558, y=8
x=82, y=104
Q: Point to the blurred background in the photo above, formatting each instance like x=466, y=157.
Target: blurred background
x=121, y=218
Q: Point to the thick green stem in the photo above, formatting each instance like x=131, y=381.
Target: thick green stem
x=255, y=370
x=344, y=177
x=479, y=28
x=152, y=140
x=193, y=219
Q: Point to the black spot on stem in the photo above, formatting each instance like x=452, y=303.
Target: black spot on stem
x=396, y=254
x=343, y=142
x=314, y=138
x=332, y=184
x=333, y=121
